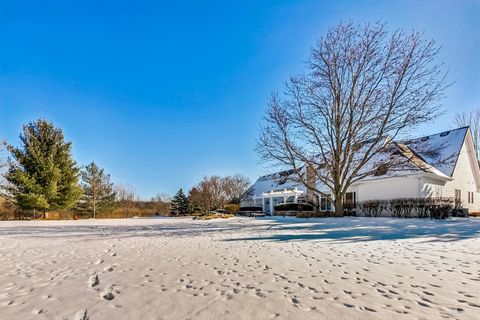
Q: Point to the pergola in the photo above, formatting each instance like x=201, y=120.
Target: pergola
x=285, y=194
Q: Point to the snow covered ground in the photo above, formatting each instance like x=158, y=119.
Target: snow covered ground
x=241, y=268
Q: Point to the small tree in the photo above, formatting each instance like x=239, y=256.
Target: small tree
x=42, y=175
x=180, y=204
x=98, y=191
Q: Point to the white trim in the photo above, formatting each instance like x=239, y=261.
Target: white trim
x=473, y=159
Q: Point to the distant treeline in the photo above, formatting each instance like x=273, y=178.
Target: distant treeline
x=40, y=179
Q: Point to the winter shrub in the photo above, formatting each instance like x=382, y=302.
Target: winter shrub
x=251, y=209
x=294, y=207
x=372, y=208
x=232, y=208
x=437, y=208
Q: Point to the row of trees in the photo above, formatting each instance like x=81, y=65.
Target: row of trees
x=210, y=194
x=42, y=176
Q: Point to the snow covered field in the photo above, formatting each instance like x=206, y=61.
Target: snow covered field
x=241, y=268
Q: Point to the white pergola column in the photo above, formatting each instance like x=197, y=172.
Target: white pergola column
x=271, y=206
x=263, y=205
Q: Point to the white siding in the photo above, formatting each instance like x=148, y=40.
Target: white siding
x=432, y=188
x=463, y=180
x=391, y=188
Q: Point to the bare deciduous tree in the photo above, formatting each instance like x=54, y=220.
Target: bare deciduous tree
x=235, y=186
x=364, y=86
x=471, y=119
x=215, y=192
x=125, y=196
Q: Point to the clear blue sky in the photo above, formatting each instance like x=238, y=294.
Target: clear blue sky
x=161, y=94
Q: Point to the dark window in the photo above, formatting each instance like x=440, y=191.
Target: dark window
x=470, y=197
x=350, y=201
x=325, y=204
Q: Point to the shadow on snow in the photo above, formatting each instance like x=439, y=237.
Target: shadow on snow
x=347, y=229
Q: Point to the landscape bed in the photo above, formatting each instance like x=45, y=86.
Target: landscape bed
x=240, y=268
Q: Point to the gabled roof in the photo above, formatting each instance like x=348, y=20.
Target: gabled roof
x=440, y=150
x=276, y=181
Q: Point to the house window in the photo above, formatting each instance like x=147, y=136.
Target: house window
x=350, y=201
x=458, y=198
x=458, y=195
x=325, y=204
x=470, y=197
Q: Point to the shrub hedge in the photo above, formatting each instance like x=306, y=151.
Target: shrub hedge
x=251, y=209
x=294, y=207
x=437, y=208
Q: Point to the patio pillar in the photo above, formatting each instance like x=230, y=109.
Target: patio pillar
x=263, y=205
x=271, y=206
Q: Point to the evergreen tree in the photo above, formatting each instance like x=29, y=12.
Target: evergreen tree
x=180, y=204
x=98, y=191
x=42, y=175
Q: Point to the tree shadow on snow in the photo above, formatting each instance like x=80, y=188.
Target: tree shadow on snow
x=347, y=229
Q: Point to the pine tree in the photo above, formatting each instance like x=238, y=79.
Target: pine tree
x=98, y=191
x=42, y=175
x=180, y=204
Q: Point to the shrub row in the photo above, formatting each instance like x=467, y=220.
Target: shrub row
x=410, y=207
x=251, y=209
x=294, y=207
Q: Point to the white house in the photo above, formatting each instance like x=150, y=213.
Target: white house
x=452, y=171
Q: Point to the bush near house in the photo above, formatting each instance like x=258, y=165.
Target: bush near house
x=232, y=208
x=251, y=209
x=434, y=208
x=294, y=207
x=373, y=208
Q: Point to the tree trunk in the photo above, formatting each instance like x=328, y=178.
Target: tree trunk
x=338, y=206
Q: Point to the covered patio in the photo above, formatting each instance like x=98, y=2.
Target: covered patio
x=274, y=197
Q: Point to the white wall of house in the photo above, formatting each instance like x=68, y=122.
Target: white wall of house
x=389, y=188
x=463, y=179
x=432, y=188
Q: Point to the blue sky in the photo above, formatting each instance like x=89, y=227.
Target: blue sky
x=163, y=93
